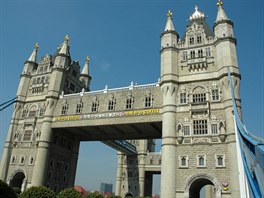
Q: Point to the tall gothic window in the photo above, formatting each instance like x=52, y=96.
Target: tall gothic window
x=200, y=127
x=214, y=129
x=186, y=130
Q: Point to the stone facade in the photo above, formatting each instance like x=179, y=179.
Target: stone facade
x=189, y=109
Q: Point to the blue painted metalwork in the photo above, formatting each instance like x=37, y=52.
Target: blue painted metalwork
x=252, y=152
x=123, y=146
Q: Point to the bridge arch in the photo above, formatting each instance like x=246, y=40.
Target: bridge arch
x=18, y=179
x=196, y=182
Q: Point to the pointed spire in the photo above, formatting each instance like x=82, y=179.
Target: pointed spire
x=169, y=25
x=221, y=15
x=85, y=70
x=65, y=46
x=33, y=56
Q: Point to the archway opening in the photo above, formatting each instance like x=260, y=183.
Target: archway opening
x=129, y=195
x=200, y=188
x=17, y=180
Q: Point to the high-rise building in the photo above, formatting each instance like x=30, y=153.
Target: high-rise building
x=106, y=188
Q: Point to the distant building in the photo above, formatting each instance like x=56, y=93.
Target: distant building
x=106, y=188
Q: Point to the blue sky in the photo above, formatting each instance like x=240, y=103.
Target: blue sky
x=122, y=38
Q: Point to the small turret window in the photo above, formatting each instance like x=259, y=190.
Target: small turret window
x=208, y=52
x=199, y=39
x=200, y=53
x=185, y=55
x=191, y=40
x=192, y=54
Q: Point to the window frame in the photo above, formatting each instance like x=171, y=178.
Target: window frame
x=198, y=157
x=200, y=127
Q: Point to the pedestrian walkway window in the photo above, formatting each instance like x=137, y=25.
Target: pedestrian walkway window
x=64, y=109
x=79, y=107
x=129, y=103
x=95, y=105
x=148, y=101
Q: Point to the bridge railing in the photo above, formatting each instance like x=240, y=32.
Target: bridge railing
x=251, y=153
x=107, y=90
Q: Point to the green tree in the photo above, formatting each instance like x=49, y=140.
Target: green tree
x=6, y=191
x=38, y=192
x=69, y=193
x=95, y=195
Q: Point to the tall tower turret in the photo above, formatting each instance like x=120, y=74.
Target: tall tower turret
x=169, y=87
x=226, y=42
x=57, y=80
x=85, y=74
x=226, y=58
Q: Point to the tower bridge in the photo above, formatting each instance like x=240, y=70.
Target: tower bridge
x=190, y=108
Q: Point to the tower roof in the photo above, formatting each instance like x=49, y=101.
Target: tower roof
x=221, y=15
x=65, y=46
x=169, y=24
x=197, y=15
x=33, y=56
x=85, y=70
